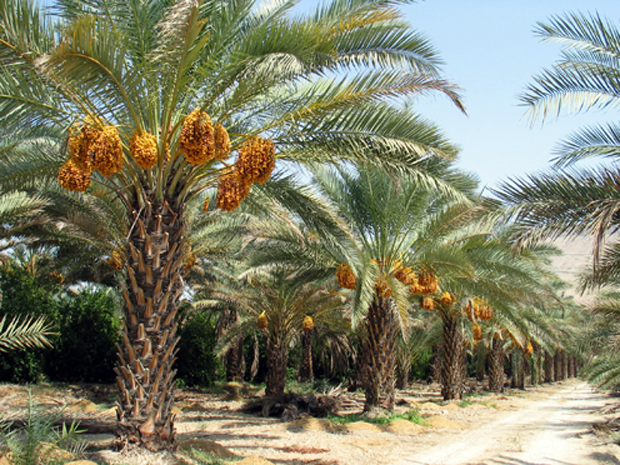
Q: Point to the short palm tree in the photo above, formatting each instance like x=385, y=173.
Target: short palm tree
x=282, y=309
x=141, y=104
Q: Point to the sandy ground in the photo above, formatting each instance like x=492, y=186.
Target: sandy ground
x=547, y=425
x=552, y=428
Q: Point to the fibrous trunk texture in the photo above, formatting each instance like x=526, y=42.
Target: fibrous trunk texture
x=234, y=360
x=559, y=369
x=277, y=358
x=571, y=366
x=306, y=371
x=496, y=366
x=151, y=292
x=403, y=371
x=481, y=361
x=378, y=354
x=518, y=369
x=536, y=366
x=453, y=359
x=565, y=374
x=435, y=365
x=549, y=368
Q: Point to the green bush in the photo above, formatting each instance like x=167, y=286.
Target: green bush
x=85, y=349
x=412, y=415
x=196, y=363
x=25, y=295
x=86, y=326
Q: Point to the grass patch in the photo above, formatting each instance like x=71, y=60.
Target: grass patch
x=413, y=416
x=204, y=458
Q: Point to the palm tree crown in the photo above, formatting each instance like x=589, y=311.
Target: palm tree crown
x=574, y=201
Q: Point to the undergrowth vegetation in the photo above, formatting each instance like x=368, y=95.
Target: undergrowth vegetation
x=413, y=416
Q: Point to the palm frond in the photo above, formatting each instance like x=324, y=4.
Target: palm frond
x=28, y=333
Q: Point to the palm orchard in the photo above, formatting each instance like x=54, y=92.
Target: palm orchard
x=145, y=105
x=146, y=135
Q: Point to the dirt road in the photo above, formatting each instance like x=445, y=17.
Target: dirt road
x=549, y=431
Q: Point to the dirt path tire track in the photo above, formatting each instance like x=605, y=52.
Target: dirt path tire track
x=549, y=431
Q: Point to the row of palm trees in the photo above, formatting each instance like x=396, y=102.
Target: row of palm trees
x=345, y=264
x=123, y=116
x=141, y=135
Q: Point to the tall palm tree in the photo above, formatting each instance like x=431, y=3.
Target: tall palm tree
x=141, y=104
x=569, y=200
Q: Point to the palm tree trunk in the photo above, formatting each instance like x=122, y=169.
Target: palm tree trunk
x=435, y=364
x=564, y=365
x=453, y=359
x=403, y=371
x=277, y=358
x=559, y=371
x=378, y=354
x=152, y=289
x=538, y=361
x=496, y=366
x=306, y=372
x=235, y=361
x=549, y=368
x=481, y=361
x=518, y=369
x=534, y=369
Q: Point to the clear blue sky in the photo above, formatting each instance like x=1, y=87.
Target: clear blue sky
x=490, y=51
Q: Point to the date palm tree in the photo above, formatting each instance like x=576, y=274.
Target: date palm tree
x=495, y=287
x=390, y=226
x=144, y=104
x=280, y=308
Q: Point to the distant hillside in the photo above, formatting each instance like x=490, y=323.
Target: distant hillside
x=576, y=256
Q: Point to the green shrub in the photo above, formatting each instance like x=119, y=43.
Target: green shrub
x=25, y=295
x=413, y=416
x=421, y=368
x=85, y=349
x=196, y=363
